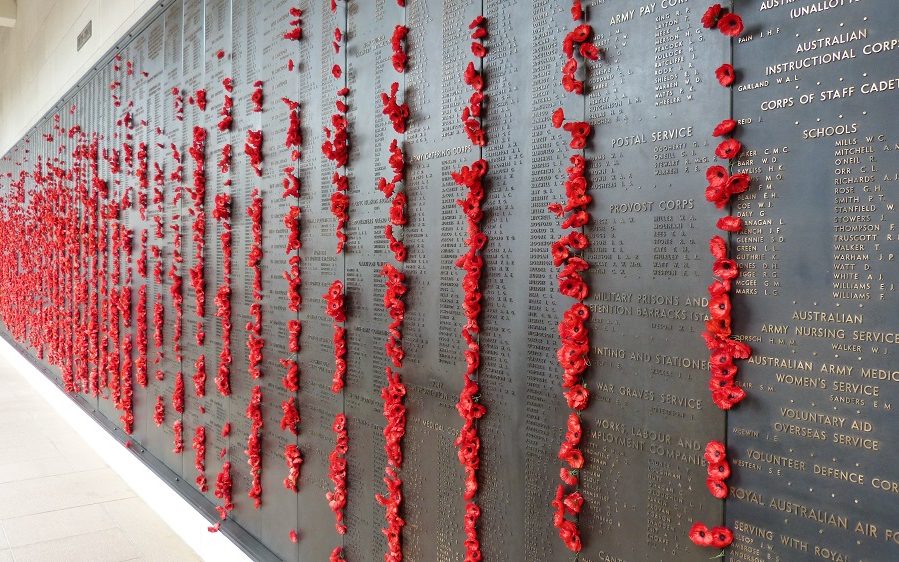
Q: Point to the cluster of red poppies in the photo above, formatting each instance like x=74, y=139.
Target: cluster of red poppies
x=253, y=149
x=292, y=275
x=715, y=537
x=295, y=33
x=396, y=309
x=199, y=446
x=225, y=160
x=223, y=485
x=199, y=377
x=294, y=329
x=392, y=501
x=567, y=254
x=398, y=204
x=143, y=180
x=254, y=446
x=140, y=364
x=291, y=183
x=393, y=396
x=127, y=394
x=334, y=307
x=579, y=39
x=337, y=553
x=178, y=393
x=257, y=96
x=399, y=58
x=294, y=460
x=398, y=113
x=201, y=99
x=723, y=350
x=716, y=17
x=290, y=416
x=222, y=214
x=293, y=137
x=255, y=341
x=159, y=411
x=291, y=379
x=337, y=472
x=197, y=152
x=224, y=123
x=471, y=113
x=179, y=103
x=468, y=442
x=178, y=437
x=718, y=469
x=175, y=290
x=569, y=503
x=336, y=149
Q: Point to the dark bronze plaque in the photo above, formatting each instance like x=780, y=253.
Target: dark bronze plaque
x=814, y=464
x=816, y=461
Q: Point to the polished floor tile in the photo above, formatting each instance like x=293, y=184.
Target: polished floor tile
x=59, y=501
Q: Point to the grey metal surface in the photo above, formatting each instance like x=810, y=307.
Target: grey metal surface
x=810, y=246
x=814, y=442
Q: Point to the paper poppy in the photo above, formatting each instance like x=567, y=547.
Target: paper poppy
x=738, y=183
x=711, y=16
x=715, y=452
x=725, y=127
x=730, y=224
x=725, y=75
x=722, y=537
x=718, y=247
x=728, y=149
x=717, y=488
x=730, y=25
x=700, y=535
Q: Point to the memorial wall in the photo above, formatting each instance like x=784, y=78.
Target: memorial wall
x=483, y=279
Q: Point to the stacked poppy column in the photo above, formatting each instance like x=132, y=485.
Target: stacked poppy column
x=722, y=186
x=469, y=406
x=574, y=332
x=290, y=420
x=393, y=394
x=336, y=149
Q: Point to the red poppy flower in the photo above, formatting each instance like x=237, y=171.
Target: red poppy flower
x=722, y=537
x=725, y=127
x=711, y=16
x=577, y=397
x=700, y=535
x=589, y=51
x=738, y=183
x=558, y=117
x=740, y=350
x=574, y=287
x=728, y=397
x=572, y=455
x=715, y=452
x=730, y=25
x=719, y=307
x=717, y=175
x=718, y=248
x=718, y=195
x=725, y=268
x=719, y=470
x=720, y=327
x=725, y=75
x=721, y=356
x=728, y=149
x=717, y=488
x=730, y=224
x=725, y=372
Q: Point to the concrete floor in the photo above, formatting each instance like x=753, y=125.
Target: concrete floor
x=58, y=500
